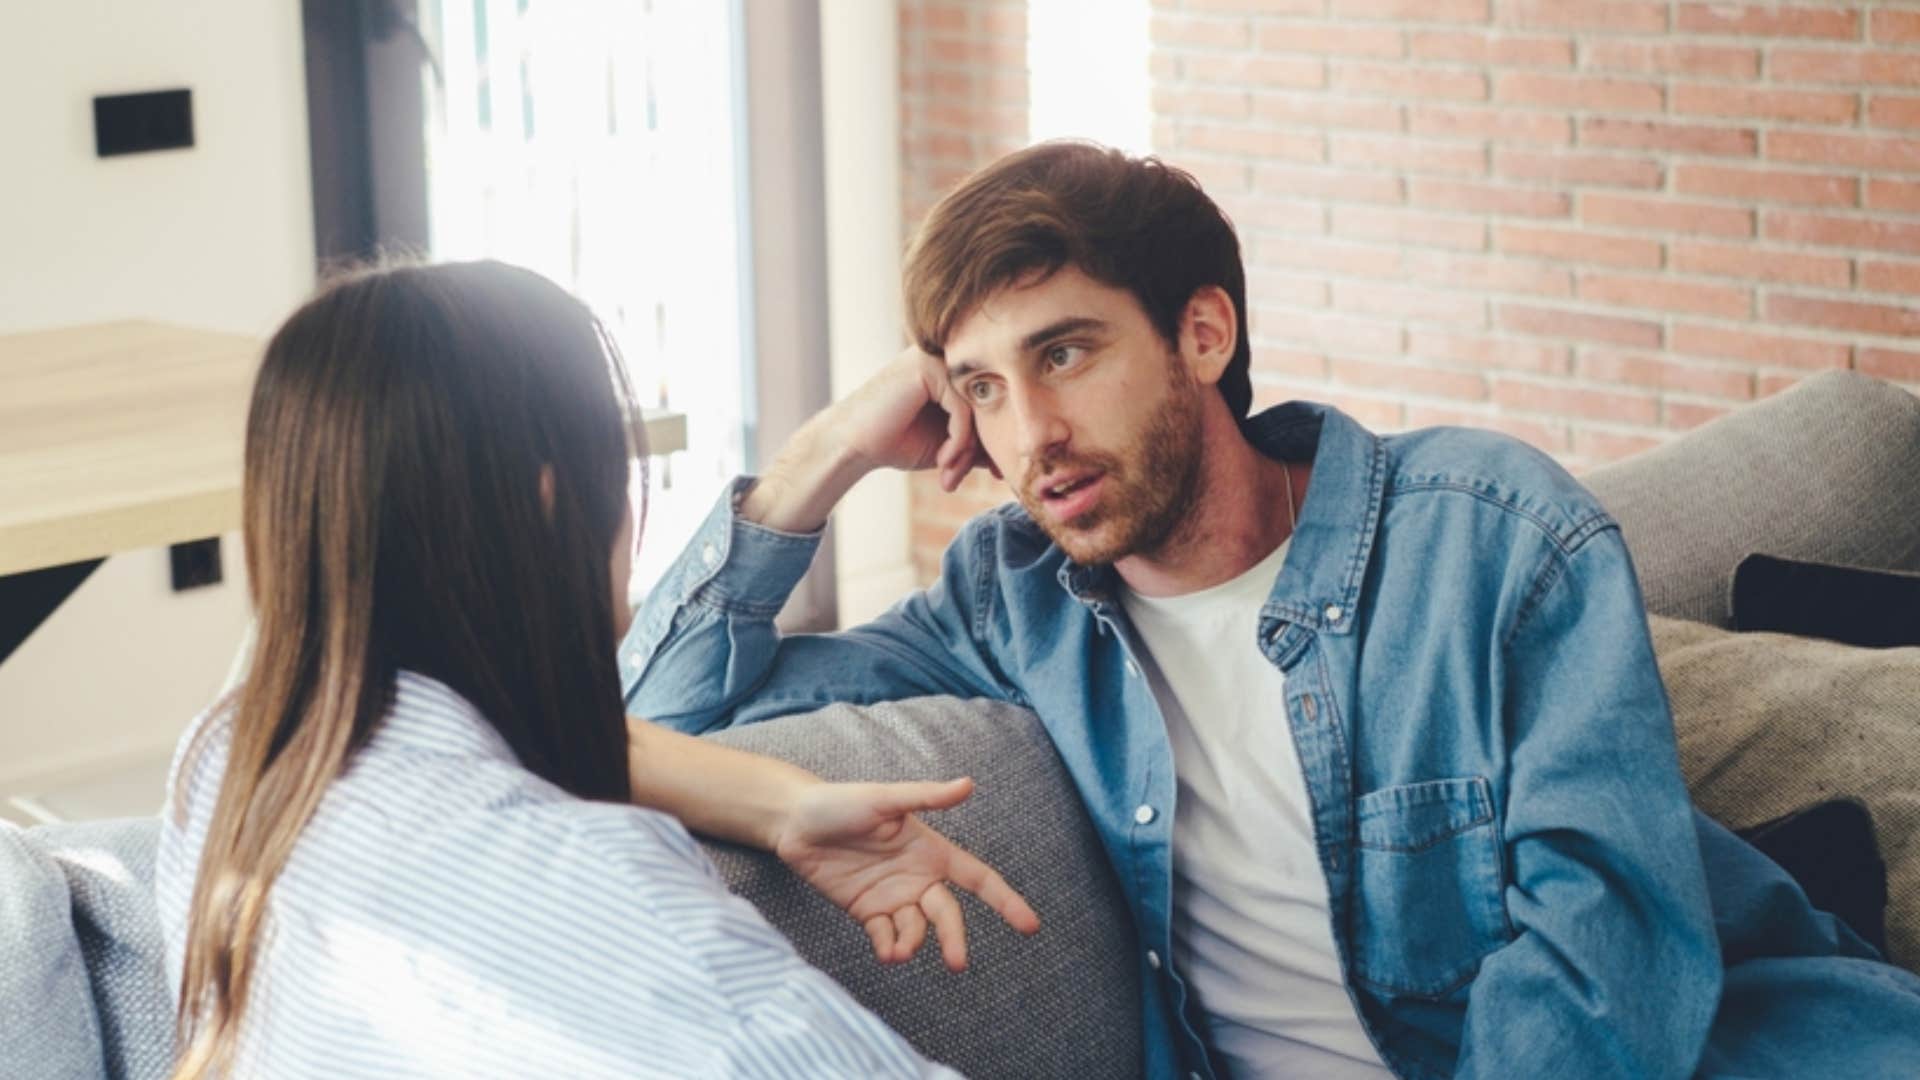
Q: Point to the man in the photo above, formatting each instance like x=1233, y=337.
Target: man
x=1370, y=727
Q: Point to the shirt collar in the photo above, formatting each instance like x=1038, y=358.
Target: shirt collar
x=1333, y=538
x=427, y=715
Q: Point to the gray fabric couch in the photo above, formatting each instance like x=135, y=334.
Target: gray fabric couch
x=1824, y=471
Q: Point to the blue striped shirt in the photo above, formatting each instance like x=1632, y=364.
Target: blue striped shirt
x=448, y=913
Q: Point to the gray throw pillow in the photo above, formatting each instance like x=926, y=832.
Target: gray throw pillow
x=1769, y=725
x=1065, y=1002
x=47, y=1025
x=1823, y=472
x=109, y=870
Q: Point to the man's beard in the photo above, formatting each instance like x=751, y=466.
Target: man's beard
x=1151, y=490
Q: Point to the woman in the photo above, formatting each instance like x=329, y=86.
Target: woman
x=405, y=844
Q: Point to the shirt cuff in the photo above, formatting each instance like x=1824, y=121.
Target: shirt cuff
x=731, y=566
x=740, y=566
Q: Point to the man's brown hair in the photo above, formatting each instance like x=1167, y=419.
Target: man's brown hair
x=1131, y=223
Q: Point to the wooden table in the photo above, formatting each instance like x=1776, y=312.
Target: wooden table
x=122, y=436
x=128, y=435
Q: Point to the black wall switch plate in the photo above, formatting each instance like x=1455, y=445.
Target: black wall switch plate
x=195, y=564
x=136, y=123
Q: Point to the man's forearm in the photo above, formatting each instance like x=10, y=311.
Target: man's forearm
x=806, y=480
x=715, y=790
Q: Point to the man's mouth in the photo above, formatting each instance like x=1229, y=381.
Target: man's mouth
x=1069, y=497
x=1067, y=487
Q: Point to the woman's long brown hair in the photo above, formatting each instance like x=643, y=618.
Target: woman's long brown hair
x=394, y=518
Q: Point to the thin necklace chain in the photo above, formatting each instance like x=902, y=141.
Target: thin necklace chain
x=1286, y=472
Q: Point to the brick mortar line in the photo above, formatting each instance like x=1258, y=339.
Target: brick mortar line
x=1854, y=214
x=1174, y=153
x=1758, y=323
x=1715, y=122
x=1576, y=354
x=1493, y=410
x=1492, y=23
x=1665, y=272
x=1659, y=394
x=1582, y=38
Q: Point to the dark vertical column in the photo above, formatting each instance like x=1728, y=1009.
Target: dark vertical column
x=366, y=123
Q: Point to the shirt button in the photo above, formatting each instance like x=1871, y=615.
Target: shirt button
x=1132, y=670
x=1153, y=960
x=1334, y=611
x=1144, y=815
x=709, y=554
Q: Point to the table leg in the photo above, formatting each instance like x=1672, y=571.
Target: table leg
x=27, y=599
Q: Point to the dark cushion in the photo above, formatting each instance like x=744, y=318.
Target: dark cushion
x=1769, y=725
x=1065, y=1002
x=1876, y=609
x=1829, y=851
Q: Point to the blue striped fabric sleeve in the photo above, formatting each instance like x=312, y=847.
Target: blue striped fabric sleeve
x=447, y=913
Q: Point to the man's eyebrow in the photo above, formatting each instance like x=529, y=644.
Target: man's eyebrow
x=1060, y=329
x=960, y=369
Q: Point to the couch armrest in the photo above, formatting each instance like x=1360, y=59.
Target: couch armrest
x=108, y=872
x=47, y=1021
x=1065, y=1002
x=1828, y=470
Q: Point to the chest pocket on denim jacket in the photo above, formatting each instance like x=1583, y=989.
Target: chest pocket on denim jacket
x=1427, y=902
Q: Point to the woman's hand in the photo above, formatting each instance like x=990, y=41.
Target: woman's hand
x=862, y=846
x=858, y=843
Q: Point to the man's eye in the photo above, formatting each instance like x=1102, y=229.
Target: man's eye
x=981, y=391
x=1061, y=357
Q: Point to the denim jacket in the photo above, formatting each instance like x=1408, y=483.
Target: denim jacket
x=1516, y=881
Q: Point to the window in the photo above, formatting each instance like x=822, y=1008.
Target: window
x=1087, y=72
x=598, y=142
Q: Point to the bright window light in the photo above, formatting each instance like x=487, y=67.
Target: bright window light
x=1087, y=72
x=598, y=142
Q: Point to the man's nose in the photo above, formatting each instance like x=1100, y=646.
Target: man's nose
x=1040, y=427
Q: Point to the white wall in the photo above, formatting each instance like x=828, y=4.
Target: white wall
x=860, y=102
x=218, y=236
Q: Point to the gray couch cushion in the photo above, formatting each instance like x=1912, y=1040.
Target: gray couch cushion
x=1824, y=471
x=109, y=870
x=1770, y=724
x=47, y=1025
x=1063, y=1003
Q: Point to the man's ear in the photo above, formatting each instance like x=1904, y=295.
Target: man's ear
x=1209, y=333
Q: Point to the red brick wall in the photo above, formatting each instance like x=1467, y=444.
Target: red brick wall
x=1591, y=224
x=963, y=103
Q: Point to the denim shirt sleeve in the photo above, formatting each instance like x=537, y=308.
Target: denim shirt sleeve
x=703, y=652
x=1614, y=969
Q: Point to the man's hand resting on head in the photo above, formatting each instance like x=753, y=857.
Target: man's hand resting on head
x=907, y=416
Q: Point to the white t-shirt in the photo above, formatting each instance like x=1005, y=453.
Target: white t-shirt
x=1251, y=929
